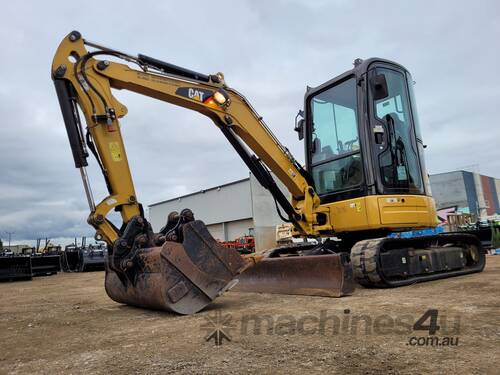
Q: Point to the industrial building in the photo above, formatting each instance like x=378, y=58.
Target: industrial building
x=244, y=206
x=229, y=211
x=16, y=249
x=467, y=192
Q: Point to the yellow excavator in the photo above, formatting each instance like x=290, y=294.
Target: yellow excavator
x=364, y=177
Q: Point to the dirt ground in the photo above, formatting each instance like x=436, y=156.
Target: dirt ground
x=67, y=324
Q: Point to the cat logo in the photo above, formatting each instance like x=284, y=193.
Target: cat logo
x=193, y=93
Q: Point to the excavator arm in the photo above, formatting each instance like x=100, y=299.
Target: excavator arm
x=82, y=78
x=182, y=268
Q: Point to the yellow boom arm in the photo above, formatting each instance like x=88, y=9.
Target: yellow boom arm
x=82, y=79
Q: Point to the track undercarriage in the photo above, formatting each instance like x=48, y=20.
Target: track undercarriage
x=394, y=262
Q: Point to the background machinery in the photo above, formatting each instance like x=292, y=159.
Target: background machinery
x=82, y=258
x=32, y=261
x=46, y=260
x=15, y=266
x=244, y=244
x=364, y=178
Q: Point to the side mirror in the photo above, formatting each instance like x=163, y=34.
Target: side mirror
x=299, y=125
x=299, y=128
x=379, y=87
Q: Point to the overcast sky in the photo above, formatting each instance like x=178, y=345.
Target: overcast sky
x=269, y=51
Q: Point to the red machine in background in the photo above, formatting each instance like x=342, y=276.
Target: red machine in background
x=244, y=244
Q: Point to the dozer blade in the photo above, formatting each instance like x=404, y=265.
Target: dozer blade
x=183, y=278
x=314, y=275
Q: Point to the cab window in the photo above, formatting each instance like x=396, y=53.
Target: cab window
x=335, y=156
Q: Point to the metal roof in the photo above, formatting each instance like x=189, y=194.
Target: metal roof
x=200, y=191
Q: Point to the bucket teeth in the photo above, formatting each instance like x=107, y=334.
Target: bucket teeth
x=182, y=278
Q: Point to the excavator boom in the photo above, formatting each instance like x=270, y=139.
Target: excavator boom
x=182, y=268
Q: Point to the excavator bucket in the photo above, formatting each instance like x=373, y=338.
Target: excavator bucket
x=178, y=277
x=46, y=264
x=327, y=275
x=15, y=267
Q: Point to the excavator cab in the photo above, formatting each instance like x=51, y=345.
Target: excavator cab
x=365, y=153
x=363, y=142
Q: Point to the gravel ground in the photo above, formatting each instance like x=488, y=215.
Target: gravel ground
x=67, y=324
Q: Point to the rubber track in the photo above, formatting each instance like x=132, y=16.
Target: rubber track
x=364, y=255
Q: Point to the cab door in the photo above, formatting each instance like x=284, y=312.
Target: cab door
x=395, y=147
x=334, y=152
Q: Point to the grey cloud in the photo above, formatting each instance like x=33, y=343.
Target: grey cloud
x=269, y=51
